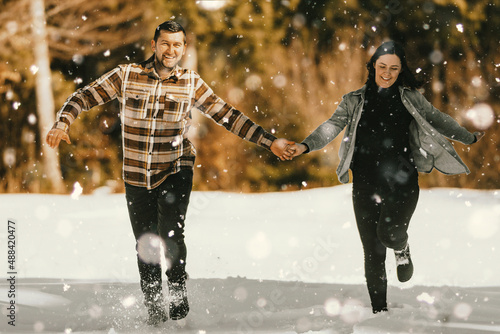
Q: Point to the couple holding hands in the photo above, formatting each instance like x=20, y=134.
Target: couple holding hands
x=391, y=133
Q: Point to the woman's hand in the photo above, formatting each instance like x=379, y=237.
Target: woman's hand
x=298, y=150
x=479, y=135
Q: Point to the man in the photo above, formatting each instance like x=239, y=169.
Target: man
x=156, y=99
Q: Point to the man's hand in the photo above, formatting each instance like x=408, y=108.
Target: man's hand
x=55, y=136
x=282, y=148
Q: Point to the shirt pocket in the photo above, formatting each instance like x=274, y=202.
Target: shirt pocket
x=176, y=106
x=136, y=103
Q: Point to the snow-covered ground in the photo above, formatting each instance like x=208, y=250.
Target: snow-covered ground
x=287, y=262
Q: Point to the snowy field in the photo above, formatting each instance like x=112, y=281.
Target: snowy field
x=286, y=262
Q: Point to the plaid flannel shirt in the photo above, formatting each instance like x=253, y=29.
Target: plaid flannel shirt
x=156, y=116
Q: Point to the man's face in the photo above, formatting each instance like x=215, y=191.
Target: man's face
x=168, y=49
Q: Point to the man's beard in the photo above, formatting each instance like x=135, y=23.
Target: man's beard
x=161, y=64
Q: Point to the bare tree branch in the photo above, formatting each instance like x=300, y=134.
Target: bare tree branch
x=88, y=26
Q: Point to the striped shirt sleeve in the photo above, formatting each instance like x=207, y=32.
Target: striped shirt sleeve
x=102, y=90
x=230, y=118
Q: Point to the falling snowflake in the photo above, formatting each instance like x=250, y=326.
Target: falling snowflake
x=436, y=57
x=481, y=226
x=77, y=59
x=279, y=81
x=77, y=191
x=39, y=327
x=377, y=198
x=32, y=119
x=148, y=248
x=176, y=142
x=253, y=82
x=426, y=298
x=481, y=115
x=33, y=69
x=211, y=4
x=128, y=301
x=476, y=81
x=462, y=310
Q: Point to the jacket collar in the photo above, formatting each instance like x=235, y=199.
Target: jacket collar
x=362, y=90
x=403, y=88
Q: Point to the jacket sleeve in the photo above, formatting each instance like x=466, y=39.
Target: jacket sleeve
x=102, y=90
x=444, y=123
x=230, y=118
x=330, y=129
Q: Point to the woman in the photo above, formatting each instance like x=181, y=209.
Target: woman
x=392, y=132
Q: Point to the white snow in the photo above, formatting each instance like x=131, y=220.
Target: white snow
x=288, y=262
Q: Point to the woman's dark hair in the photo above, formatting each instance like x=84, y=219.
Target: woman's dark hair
x=170, y=26
x=405, y=78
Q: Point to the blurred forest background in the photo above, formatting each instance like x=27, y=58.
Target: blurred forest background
x=284, y=63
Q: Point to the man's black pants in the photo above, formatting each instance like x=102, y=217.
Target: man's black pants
x=157, y=216
x=382, y=217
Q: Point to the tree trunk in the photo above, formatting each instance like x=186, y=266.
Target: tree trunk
x=190, y=61
x=44, y=95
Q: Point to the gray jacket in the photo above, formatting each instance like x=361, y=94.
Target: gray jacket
x=429, y=147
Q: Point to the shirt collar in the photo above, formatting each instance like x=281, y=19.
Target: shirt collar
x=176, y=73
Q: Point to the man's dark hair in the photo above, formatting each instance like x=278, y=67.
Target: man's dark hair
x=170, y=26
x=405, y=78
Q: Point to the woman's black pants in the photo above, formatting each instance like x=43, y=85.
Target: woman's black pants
x=382, y=217
x=157, y=216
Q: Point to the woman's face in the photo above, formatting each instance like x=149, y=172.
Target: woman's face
x=387, y=69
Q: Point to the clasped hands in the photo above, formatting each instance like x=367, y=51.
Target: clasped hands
x=286, y=149
x=281, y=147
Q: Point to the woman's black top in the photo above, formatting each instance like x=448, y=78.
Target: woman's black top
x=382, y=150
